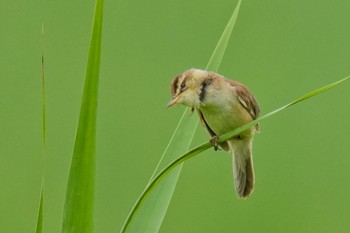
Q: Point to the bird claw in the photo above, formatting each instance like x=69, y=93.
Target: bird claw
x=214, y=142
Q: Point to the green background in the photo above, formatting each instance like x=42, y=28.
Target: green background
x=279, y=49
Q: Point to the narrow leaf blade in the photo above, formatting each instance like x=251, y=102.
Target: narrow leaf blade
x=151, y=214
x=39, y=223
x=219, y=51
x=79, y=201
x=147, y=217
x=162, y=176
x=298, y=100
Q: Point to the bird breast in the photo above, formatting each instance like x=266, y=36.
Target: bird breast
x=223, y=112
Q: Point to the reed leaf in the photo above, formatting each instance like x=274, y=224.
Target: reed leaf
x=160, y=178
x=79, y=200
x=39, y=222
x=148, y=217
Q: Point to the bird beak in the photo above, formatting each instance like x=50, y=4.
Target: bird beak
x=172, y=102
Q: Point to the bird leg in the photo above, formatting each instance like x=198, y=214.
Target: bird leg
x=214, y=142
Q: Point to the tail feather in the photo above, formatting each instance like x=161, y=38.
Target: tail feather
x=243, y=171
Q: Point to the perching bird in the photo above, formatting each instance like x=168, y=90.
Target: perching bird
x=222, y=105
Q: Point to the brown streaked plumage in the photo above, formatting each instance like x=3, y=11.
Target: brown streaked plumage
x=222, y=106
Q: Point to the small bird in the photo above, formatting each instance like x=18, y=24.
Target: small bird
x=222, y=105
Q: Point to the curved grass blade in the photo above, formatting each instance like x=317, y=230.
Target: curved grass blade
x=79, y=201
x=149, y=217
x=300, y=99
x=39, y=223
x=153, y=185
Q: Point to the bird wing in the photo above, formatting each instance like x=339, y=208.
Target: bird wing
x=247, y=100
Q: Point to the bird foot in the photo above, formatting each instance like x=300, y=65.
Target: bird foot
x=214, y=142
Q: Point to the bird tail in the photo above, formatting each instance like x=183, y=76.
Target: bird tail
x=243, y=171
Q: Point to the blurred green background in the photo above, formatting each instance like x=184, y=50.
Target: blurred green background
x=279, y=49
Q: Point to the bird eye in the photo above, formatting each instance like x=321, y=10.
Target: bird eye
x=183, y=85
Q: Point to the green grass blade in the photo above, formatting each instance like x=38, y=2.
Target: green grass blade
x=39, y=223
x=300, y=99
x=153, y=185
x=79, y=201
x=148, y=217
x=219, y=51
x=43, y=93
